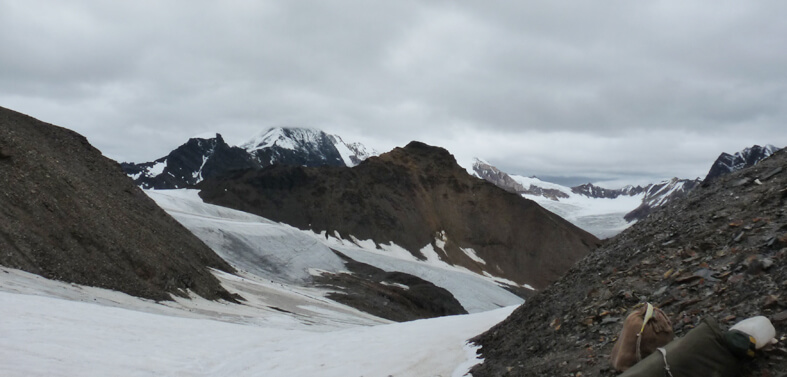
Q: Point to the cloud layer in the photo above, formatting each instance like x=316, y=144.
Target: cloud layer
x=610, y=90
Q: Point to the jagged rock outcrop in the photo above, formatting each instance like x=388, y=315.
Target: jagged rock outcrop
x=592, y=191
x=727, y=163
x=68, y=213
x=660, y=194
x=190, y=163
x=392, y=295
x=720, y=251
x=416, y=197
x=501, y=179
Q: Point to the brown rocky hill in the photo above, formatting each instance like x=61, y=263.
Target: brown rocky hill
x=410, y=196
x=719, y=252
x=69, y=213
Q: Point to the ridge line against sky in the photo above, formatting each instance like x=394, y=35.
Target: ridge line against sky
x=614, y=91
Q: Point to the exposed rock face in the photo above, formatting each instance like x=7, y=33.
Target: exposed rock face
x=660, y=194
x=190, y=163
x=396, y=296
x=720, y=251
x=592, y=191
x=68, y=213
x=504, y=181
x=728, y=163
x=415, y=197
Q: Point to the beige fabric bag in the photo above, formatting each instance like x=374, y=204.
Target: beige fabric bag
x=644, y=330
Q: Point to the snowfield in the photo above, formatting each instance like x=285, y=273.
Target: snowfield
x=286, y=327
x=604, y=218
x=286, y=254
x=601, y=217
x=50, y=336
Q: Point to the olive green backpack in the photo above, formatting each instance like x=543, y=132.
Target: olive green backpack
x=705, y=351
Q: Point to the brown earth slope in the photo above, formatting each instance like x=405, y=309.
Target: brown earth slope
x=69, y=213
x=719, y=252
x=409, y=196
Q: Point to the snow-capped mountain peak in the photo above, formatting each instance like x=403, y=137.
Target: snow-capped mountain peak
x=205, y=156
x=283, y=137
x=305, y=146
x=352, y=153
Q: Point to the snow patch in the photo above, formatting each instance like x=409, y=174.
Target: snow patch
x=508, y=282
x=430, y=254
x=157, y=168
x=398, y=285
x=472, y=254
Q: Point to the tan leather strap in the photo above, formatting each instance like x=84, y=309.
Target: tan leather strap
x=664, y=356
x=648, y=316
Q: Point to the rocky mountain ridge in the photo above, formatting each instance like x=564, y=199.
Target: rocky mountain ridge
x=190, y=163
x=727, y=163
x=68, y=213
x=719, y=252
x=419, y=198
x=201, y=158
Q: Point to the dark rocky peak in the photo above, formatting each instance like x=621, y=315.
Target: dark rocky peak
x=419, y=198
x=720, y=251
x=592, y=191
x=294, y=146
x=728, y=163
x=71, y=214
x=199, y=158
x=427, y=158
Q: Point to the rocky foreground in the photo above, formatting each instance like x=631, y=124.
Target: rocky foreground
x=719, y=252
x=68, y=213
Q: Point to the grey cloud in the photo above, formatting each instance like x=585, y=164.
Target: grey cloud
x=138, y=78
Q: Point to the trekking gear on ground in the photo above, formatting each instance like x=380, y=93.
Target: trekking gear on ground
x=759, y=328
x=644, y=330
x=704, y=351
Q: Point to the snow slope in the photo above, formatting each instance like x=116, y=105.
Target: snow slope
x=47, y=335
x=285, y=254
x=283, y=328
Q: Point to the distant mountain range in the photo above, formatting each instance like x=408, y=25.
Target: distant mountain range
x=202, y=158
x=605, y=212
x=415, y=198
x=602, y=211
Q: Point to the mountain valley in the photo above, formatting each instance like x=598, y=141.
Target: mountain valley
x=296, y=253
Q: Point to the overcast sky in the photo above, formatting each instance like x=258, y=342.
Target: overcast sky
x=607, y=90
